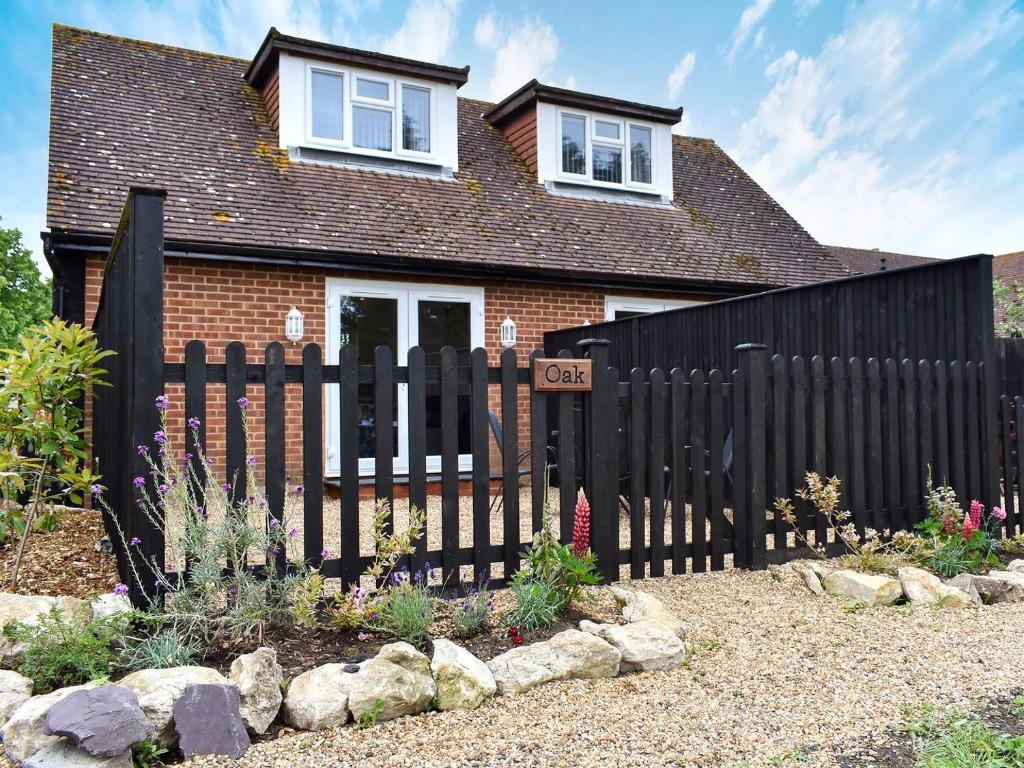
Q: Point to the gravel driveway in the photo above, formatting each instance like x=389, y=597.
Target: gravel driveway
x=775, y=672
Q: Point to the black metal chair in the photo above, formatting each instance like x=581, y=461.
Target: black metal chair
x=498, y=433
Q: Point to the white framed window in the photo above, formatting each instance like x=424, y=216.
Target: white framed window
x=624, y=307
x=368, y=113
x=401, y=315
x=606, y=151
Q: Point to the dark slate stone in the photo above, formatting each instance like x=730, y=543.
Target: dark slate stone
x=351, y=668
x=208, y=722
x=104, y=721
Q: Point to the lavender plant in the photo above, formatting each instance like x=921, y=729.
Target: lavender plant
x=470, y=619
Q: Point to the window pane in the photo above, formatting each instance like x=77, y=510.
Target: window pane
x=574, y=145
x=367, y=323
x=371, y=89
x=371, y=128
x=445, y=323
x=328, y=99
x=606, y=130
x=625, y=314
x=415, y=119
x=640, y=155
x=608, y=164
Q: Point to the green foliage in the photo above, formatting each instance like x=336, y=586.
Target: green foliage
x=59, y=653
x=306, y=600
x=42, y=433
x=946, y=545
x=968, y=743
x=163, y=650
x=950, y=557
x=1012, y=546
x=24, y=294
x=370, y=717
x=1010, y=299
x=470, y=619
x=405, y=612
x=149, y=754
x=538, y=601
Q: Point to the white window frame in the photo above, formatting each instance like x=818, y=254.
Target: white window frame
x=592, y=140
x=393, y=104
x=406, y=295
x=613, y=304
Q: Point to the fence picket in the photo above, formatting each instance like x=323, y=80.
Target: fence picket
x=481, y=467
x=1007, y=475
x=657, y=471
x=1018, y=410
x=449, y=465
x=566, y=460
x=875, y=482
x=778, y=453
x=716, y=490
x=273, y=434
x=958, y=446
x=924, y=433
x=818, y=402
x=698, y=467
x=941, y=473
x=195, y=408
x=971, y=378
x=539, y=447
x=510, y=460
x=679, y=469
x=234, y=361
x=798, y=437
x=894, y=499
x=384, y=431
x=312, y=455
x=418, y=449
x=637, y=451
x=909, y=445
x=837, y=426
x=348, y=462
x=740, y=501
x=858, y=503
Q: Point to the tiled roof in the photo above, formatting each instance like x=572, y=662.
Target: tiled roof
x=861, y=260
x=1009, y=267
x=125, y=113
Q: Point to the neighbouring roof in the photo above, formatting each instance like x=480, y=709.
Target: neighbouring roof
x=1009, y=267
x=861, y=260
x=125, y=113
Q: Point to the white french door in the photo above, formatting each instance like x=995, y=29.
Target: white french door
x=400, y=315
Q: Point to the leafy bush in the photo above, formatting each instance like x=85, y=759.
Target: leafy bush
x=59, y=653
x=968, y=743
x=538, y=601
x=470, y=618
x=163, y=650
x=42, y=430
x=955, y=542
x=405, y=610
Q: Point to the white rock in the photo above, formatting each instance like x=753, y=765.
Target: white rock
x=868, y=587
x=925, y=590
x=569, y=655
x=965, y=583
x=15, y=690
x=106, y=605
x=811, y=579
x=318, y=699
x=64, y=754
x=463, y=681
x=819, y=568
x=28, y=610
x=1016, y=566
x=158, y=689
x=640, y=606
x=258, y=677
x=645, y=646
x=24, y=733
x=1000, y=587
x=399, y=676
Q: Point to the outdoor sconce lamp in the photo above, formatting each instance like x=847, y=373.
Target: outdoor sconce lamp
x=508, y=332
x=293, y=326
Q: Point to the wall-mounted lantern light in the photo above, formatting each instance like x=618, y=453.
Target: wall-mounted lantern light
x=508, y=332
x=293, y=326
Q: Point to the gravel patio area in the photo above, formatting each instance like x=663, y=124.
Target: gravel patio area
x=774, y=671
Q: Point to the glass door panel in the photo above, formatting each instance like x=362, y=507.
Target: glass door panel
x=442, y=323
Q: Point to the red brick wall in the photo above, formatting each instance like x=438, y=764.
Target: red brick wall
x=219, y=302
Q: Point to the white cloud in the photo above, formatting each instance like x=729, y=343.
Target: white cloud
x=749, y=19
x=677, y=79
x=804, y=7
x=427, y=32
x=522, y=51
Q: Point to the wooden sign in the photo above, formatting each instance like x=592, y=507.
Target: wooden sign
x=562, y=374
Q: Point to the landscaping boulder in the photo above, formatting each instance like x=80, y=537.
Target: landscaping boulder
x=399, y=676
x=965, y=583
x=925, y=590
x=318, y=698
x=105, y=721
x=463, y=681
x=28, y=610
x=1016, y=566
x=640, y=606
x=24, y=734
x=106, y=605
x=569, y=655
x=208, y=722
x=15, y=690
x=258, y=677
x=1000, y=587
x=645, y=646
x=158, y=689
x=811, y=579
x=64, y=754
x=867, y=587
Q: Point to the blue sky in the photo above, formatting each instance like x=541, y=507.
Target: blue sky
x=897, y=125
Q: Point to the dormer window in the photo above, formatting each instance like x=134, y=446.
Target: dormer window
x=327, y=105
x=599, y=154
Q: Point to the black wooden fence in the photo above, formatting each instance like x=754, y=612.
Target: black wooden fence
x=1009, y=357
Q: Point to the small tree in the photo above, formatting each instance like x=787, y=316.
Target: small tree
x=42, y=431
x=24, y=294
x=1009, y=298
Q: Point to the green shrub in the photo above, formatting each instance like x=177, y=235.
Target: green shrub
x=405, y=612
x=470, y=618
x=59, y=653
x=149, y=754
x=163, y=650
x=971, y=744
x=950, y=558
x=537, y=601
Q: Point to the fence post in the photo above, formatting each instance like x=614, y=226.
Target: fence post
x=984, y=337
x=753, y=362
x=601, y=479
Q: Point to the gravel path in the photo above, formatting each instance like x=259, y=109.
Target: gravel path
x=774, y=671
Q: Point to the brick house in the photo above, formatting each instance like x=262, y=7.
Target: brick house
x=363, y=191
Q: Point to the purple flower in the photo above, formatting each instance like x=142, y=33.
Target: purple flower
x=97, y=490
x=250, y=460
x=135, y=541
x=143, y=450
x=162, y=403
x=232, y=591
x=225, y=487
x=271, y=551
x=292, y=532
x=299, y=490
x=138, y=482
x=243, y=402
x=193, y=422
x=325, y=554
x=162, y=489
x=159, y=437
x=120, y=590
x=140, y=504
x=200, y=511
x=273, y=523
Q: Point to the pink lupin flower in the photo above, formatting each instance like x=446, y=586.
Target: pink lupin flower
x=581, y=526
